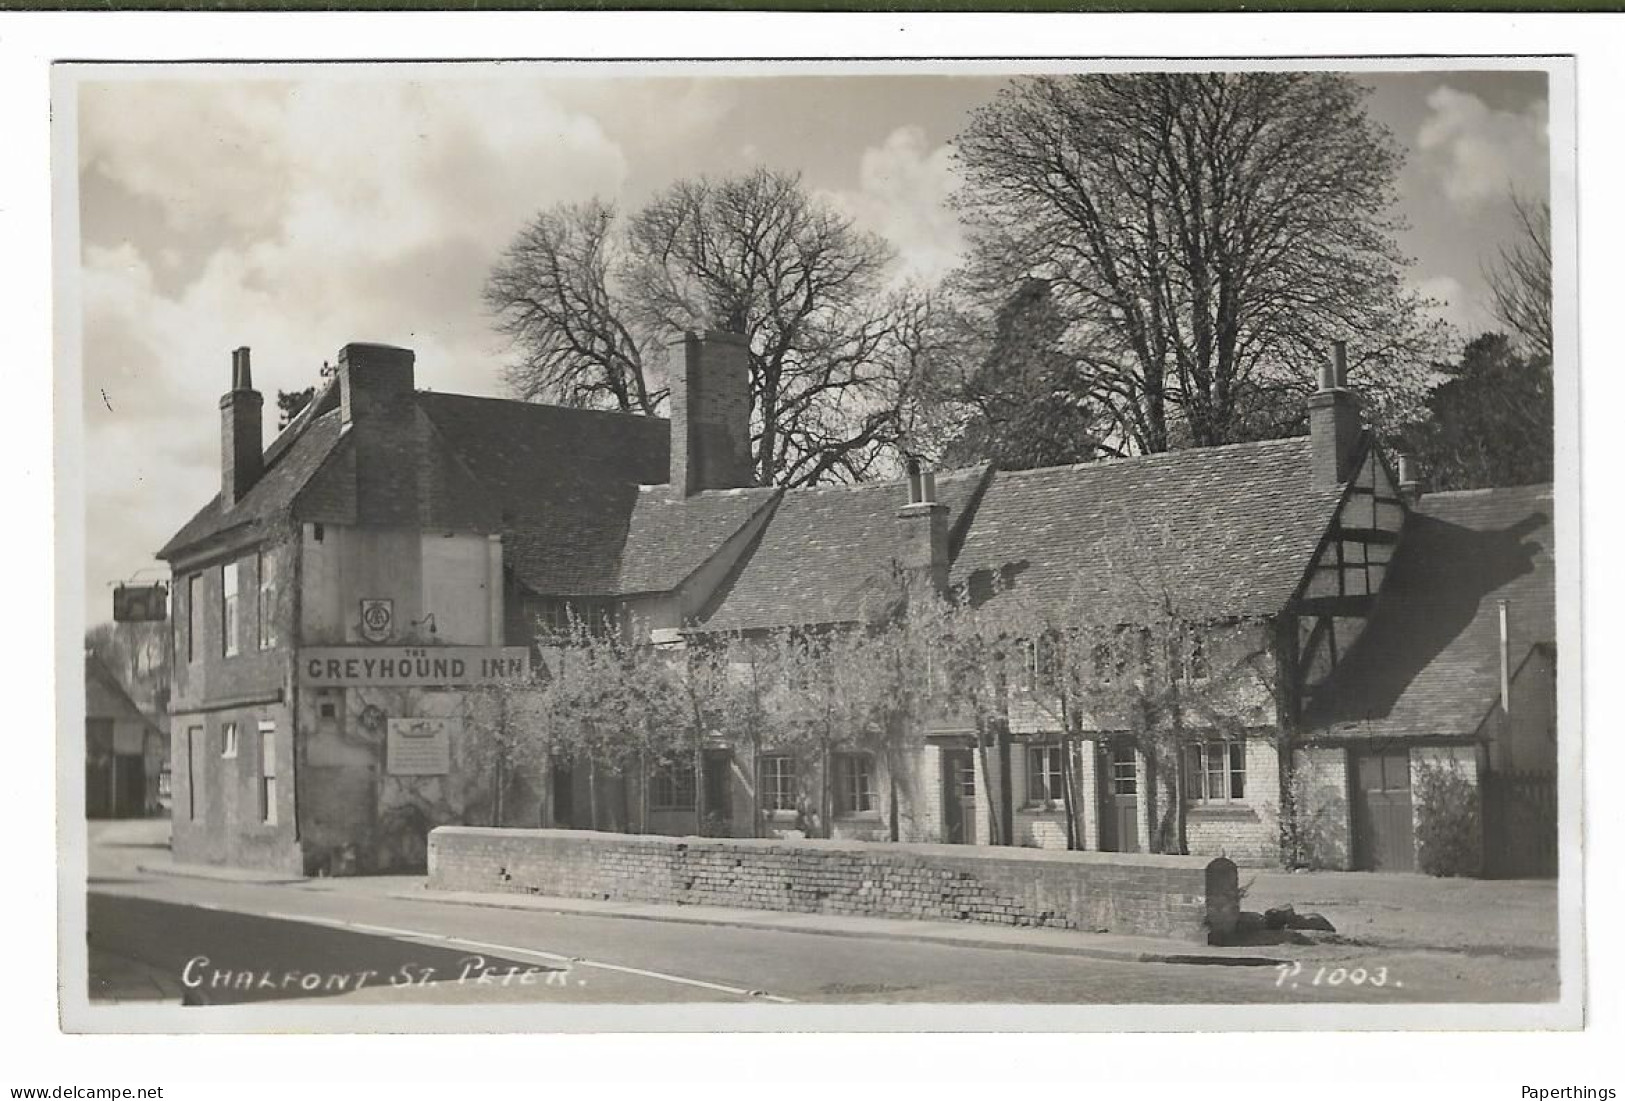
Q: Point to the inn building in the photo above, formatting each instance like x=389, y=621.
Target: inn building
x=394, y=550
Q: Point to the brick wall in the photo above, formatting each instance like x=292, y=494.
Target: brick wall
x=1247, y=831
x=1168, y=896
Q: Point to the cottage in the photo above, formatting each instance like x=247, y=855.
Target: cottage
x=355, y=585
x=126, y=754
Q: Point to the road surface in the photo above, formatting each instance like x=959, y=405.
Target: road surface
x=197, y=941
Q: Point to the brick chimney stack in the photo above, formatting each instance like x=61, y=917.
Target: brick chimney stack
x=373, y=379
x=242, y=450
x=1334, y=422
x=1410, y=485
x=710, y=414
x=377, y=404
x=922, y=530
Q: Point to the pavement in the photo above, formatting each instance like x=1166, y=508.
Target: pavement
x=1429, y=940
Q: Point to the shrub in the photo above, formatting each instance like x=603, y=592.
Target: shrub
x=1310, y=824
x=1448, y=837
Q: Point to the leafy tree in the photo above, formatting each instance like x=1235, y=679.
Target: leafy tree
x=290, y=403
x=1031, y=405
x=1520, y=279
x=504, y=741
x=138, y=656
x=1490, y=422
x=592, y=301
x=1206, y=236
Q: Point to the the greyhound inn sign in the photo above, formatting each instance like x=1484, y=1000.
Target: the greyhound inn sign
x=411, y=666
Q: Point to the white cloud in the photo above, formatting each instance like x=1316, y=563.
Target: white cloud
x=1451, y=301
x=357, y=209
x=1479, y=153
x=903, y=192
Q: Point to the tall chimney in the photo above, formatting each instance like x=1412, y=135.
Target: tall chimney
x=922, y=532
x=710, y=414
x=377, y=404
x=1334, y=422
x=1410, y=486
x=242, y=452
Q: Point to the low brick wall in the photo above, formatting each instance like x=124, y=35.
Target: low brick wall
x=1190, y=898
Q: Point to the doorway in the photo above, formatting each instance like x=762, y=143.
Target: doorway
x=958, y=797
x=1384, y=838
x=561, y=780
x=1120, y=799
x=717, y=807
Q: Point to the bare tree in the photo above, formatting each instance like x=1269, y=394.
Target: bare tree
x=591, y=301
x=1520, y=279
x=554, y=294
x=757, y=255
x=1207, y=235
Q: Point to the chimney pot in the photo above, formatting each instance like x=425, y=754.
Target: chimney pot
x=242, y=376
x=1410, y=486
x=242, y=449
x=922, y=531
x=1335, y=431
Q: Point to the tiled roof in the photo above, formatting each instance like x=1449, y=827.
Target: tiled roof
x=1428, y=664
x=563, y=481
x=1222, y=532
x=291, y=461
x=106, y=698
x=566, y=481
x=827, y=554
x=670, y=537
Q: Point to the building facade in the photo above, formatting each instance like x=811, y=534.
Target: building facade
x=126, y=758
x=351, y=603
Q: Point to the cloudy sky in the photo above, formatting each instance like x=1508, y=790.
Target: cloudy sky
x=294, y=210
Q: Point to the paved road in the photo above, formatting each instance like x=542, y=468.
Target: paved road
x=352, y=941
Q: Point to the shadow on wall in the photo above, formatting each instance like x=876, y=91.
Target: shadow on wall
x=983, y=585
x=1441, y=578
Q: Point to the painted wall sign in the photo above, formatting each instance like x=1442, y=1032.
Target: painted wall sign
x=377, y=619
x=411, y=666
x=421, y=747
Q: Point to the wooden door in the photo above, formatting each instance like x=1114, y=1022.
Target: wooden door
x=717, y=792
x=129, y=785
x=1120, y=800
x=563, y=792
x=1384, y=837
x=958, y=797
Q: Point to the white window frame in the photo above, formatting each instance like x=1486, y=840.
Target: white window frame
x=1038, y=757
x=845, y=805
x=1232, y=767
x=776, y=781
x=265, y=605
x=228, y=741
x=268, y=773
x=230, y=625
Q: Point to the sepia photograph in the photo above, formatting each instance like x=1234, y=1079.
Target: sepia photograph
x=592, y=537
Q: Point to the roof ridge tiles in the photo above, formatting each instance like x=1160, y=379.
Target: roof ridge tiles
x=1156, y=456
